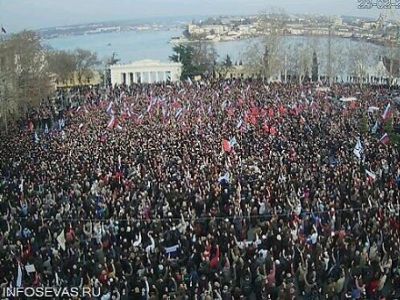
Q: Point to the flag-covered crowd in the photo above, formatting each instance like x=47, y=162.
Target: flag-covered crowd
x=217, y=190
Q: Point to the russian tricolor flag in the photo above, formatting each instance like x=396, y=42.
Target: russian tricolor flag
x=385, y=139
x=371, y=175
x=109, y=109
x=113, y=123
x=387, y=113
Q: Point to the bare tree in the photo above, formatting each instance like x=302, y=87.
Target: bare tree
x=265, y=58
x=390, y=55
x=62, y=64
x=391, y=51
x=304, y=62
x=24, y=75
x=359, y=62
x=204, y=56
x=86, y=61
x=253, y=59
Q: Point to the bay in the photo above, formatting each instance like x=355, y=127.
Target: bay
x=137, y=45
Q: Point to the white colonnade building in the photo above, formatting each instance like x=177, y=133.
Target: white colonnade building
x=145, y=71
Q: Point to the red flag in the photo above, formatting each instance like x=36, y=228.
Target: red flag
x=255, y=112
x=282, y=110
x=273, y=131
x=251, y=119
x=266, y=128
x=226, y=145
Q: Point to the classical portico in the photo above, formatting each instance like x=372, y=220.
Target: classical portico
x=145, y=71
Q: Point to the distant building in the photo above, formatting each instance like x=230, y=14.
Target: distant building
x=145, y=71
x=338, y=21
x=378, y=24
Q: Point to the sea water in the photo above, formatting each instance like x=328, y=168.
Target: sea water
x=155, y=44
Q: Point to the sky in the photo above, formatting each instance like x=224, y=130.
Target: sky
x=17, y=15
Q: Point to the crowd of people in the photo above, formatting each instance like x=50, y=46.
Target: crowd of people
x=205, y=190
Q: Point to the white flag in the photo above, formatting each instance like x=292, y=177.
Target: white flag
x=358, y=149
x=36, y=138
x=19, y=276
x=371, y=109
x=61, y=240
x=375, y=128
x=178, y=113
x=239, y=124
x=386, y=113
x=224, y=178
x=21, y=186
x=30, y=268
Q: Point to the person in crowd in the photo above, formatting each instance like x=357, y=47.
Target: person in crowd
x=205, y=190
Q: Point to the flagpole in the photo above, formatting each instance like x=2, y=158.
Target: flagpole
x=241, y=152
